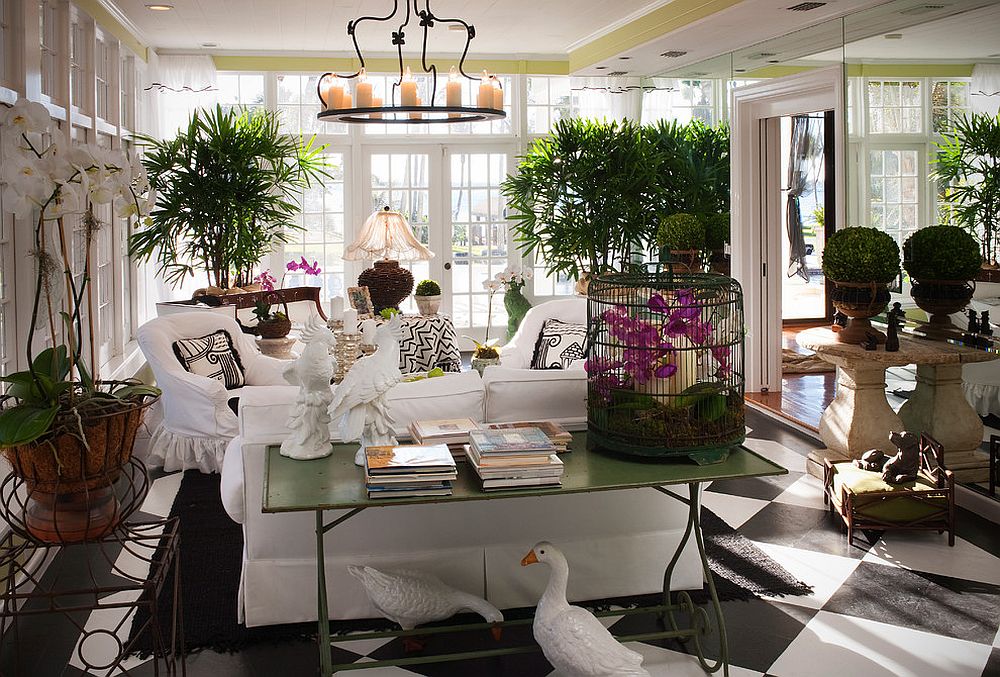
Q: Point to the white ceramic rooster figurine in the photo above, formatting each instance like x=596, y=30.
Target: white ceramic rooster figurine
x=309, y=420
x=412, y=598
x=359, y=402
x=572, y=639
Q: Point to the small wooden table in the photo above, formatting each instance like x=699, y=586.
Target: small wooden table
x=860, y=418
x=335, y=483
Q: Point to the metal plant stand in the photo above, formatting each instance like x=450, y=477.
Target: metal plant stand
x=126, y=569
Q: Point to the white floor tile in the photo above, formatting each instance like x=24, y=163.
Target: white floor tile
x=734, y=510
x=825, y=573
x=666, y=663
x=161, y=495
x=778, y=453
x=832, y=645
x=363, y=646
x=100, y=648
x=806, y=491
x=929, y=551
x=134, y=560
x=385, y=672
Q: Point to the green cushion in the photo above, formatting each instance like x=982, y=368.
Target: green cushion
x=885, y=508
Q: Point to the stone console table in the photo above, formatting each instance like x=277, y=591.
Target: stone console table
x=860, y=418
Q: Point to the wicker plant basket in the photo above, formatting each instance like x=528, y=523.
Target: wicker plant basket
x=276, y=327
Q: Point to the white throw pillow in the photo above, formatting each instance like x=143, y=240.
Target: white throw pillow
x=560, y=345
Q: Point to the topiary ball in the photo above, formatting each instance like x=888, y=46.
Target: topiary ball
x=716, y=231
x=941, y=253
x=681, y=232
x=860, y=254
x=428, y=288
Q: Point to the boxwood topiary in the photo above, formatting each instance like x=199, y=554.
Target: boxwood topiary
x=716, y=231
x=861, y=255
x=941, y=253
x=428, y=288
x=681, y=232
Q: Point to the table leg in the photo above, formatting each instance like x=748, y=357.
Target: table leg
x=859, y=418
x=322, y=617
x=938, y=407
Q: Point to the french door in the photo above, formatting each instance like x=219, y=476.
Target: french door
x=450, y=194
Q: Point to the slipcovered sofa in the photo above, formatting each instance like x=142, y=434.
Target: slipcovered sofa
x=617, y=542
x=515, y=392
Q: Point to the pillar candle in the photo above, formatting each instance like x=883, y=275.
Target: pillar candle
x=377, y=103
x=368, y=332
x=336, y=308
x=454, y=88
x=408, y=90
x=350, y=321
x=363, y=91
x=485, y=92
x=348, y=103
x=334, y=94
x=416, y=116
x=497, y=95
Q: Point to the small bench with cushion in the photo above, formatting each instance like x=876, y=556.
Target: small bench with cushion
x=865, y=501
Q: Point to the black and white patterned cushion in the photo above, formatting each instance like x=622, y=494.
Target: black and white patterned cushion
x=213, y=356
x=559, y=345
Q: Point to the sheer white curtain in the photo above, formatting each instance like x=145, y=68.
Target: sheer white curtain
x=180, y=84
x=985, y=97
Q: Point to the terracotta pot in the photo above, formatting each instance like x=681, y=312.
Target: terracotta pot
x=860, y=301
x=941, y=298
x=428, y=305
x=274, y=328
x=69, y=483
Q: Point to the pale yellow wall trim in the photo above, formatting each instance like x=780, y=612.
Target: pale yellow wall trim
x=910, y=70
x=313, y=64
x=113, y=26
x=660, y=21
x=775, y=71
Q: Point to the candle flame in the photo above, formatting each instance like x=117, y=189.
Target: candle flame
x=453, y=74
x=407, y=75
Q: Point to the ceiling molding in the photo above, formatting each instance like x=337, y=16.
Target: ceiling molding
x=624, y=21
x=113, y=20
x=343, y=64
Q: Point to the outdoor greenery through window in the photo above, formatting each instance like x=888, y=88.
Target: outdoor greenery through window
x=895, y=107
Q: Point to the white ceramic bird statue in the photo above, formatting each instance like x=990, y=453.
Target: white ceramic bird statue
x=572, y=639
x=412, y=598
x=359, y=402
x=309, y=420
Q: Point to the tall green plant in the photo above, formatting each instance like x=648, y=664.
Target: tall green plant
x=692, y=167
x=582, y=196
x=228, y=189
x=968, y=164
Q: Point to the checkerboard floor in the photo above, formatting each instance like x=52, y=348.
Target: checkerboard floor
x=898, y=605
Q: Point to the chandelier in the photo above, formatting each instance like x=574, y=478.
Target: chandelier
x=404, y=105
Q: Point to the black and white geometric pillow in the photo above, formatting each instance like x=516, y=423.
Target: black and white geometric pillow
x=213, y=356
x=559, y=345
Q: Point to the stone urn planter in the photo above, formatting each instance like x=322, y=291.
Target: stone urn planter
x=428, y=305
x=940, y=299
x=860, y=302
x=940, y=260
x=480, y=363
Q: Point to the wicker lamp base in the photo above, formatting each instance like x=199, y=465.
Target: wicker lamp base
x=387, y=283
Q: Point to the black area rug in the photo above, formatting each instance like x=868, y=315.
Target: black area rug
x=211, y=547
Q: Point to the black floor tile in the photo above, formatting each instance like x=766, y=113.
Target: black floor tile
x=758, y=631
x=992, y=668
x=767, y=427
x=763, y=488
x=978, y=530
x=933, y=603
x=797, y=526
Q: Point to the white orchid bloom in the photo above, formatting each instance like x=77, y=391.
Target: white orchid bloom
x=26, y=117
x=16, y=202
x=491, y=285
x=528, y=274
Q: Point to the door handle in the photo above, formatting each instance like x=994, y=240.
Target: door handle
x=447, y=265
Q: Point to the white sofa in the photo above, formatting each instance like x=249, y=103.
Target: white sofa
x=195, y=422
x=617, y=542
x=514, y=392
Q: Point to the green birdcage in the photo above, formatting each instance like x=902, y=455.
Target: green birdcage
x=665, y=364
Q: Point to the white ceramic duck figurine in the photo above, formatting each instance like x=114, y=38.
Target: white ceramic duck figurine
x=412, y=598
x=572, y=639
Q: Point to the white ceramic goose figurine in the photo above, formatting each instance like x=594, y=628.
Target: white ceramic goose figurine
x=572, y=639
x=412, y=598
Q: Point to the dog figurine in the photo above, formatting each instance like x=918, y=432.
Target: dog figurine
x=903, y=467
x=872, y=460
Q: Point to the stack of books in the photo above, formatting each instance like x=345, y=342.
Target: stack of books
x=514, y=458
x=409, y=470
x=451, y=431
x=557, y=434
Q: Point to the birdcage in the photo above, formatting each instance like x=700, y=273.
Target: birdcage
x=665, y=364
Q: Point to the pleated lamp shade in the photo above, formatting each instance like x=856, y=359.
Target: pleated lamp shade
x=387, y=238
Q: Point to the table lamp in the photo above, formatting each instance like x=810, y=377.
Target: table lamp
x=387, y=238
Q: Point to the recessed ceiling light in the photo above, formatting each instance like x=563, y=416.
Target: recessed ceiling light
x=893, y=36
x=774, y=60
x=739, y=70
x=160, y=7
x=806, y=6
x=600, y=68
x=624, y=58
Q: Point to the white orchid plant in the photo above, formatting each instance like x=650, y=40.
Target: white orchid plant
x=507, y=279
x=43, y=173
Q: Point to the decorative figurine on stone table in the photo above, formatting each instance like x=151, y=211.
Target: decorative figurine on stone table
x=839, y=321
x=871, y=341
x=973, y=327
x=360, y=402
x=309, y=421
x=895, y=323
x=872, y=460
x=985, y=328
x=903, y=467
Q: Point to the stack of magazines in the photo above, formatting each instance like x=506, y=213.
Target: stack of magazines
x=514, y=458
x=451, y=431
x=409, y=470
x=557, y=434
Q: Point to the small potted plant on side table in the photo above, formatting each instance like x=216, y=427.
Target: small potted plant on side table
x=940, y=261
x=684, y=235
x=486, y=353
x=428, y=297
x=861, y=263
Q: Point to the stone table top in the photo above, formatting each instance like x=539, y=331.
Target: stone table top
x=911, y=351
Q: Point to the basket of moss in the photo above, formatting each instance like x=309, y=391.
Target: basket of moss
x=941, y=260
x=861, y=263
x=428, y=297
x=683, y=235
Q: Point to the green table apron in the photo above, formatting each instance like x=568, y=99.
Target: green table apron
x=335, y=483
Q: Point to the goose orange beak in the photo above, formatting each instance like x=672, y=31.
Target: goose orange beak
x=529, y=559
x=497, y=632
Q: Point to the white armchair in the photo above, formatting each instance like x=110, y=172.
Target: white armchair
x=197, y=422
x=515, y=392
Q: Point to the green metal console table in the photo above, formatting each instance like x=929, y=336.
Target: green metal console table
x=335, y=483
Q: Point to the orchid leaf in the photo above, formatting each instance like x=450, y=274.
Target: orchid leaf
x=25, y=423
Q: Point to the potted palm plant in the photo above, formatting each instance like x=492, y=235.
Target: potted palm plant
x=428, y=297
x=66, y=434
x=228, y=191
x=861, y=263
x=941, y=260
